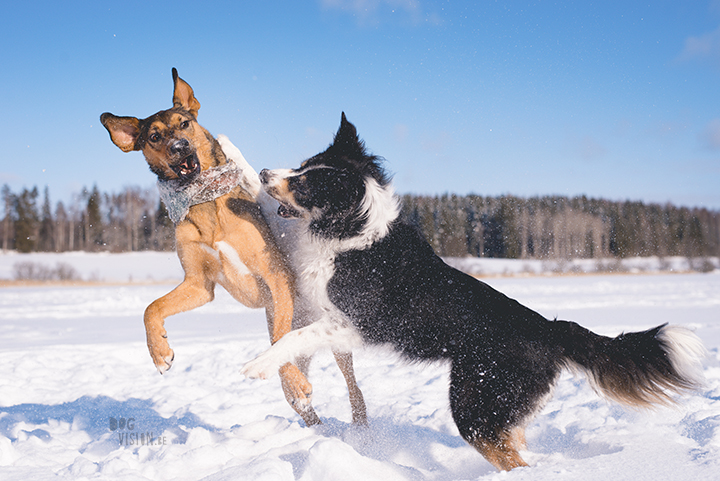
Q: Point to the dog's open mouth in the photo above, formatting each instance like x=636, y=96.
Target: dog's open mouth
x=188, y=168
x=287, y=212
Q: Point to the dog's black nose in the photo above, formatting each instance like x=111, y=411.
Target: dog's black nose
x=264, y=175
x=180, y=146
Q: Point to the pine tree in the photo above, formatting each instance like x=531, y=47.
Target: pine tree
x=27, y=220
x=619, y=233
x=46, y=238
x=511, y=229
x=94, y=239
x=62, y=225
x=8, y=199
x=164, y=238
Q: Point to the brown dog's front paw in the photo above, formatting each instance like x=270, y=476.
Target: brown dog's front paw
x=161, y=355
x=165, y=362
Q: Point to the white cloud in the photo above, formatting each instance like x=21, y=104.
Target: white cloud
x=589, y=149
x=436, y=143
x=585, y=148
x=711, y=135
x=400, y=133
x=715, y=6
x=371, y=11
x=703, y=48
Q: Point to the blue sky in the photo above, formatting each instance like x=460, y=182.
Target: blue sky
x=612, y=99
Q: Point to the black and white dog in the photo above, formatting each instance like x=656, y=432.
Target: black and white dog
x=374, y=279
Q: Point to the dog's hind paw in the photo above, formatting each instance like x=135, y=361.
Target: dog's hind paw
x=296, y=387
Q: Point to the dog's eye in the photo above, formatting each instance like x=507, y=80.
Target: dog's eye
x=185, y=125
x=297, y=186
x=154, y=137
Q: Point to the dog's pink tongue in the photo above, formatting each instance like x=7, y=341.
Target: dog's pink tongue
x=186, y=165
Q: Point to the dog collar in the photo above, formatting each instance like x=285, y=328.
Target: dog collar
x=210, y=184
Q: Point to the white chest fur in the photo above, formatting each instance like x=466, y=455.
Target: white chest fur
x=315, y=260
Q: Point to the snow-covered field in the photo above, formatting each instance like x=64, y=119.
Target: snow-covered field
x=80, y=398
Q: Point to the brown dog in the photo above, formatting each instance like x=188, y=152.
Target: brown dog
x=224, y=240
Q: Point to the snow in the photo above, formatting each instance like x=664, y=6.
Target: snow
x=81, y=399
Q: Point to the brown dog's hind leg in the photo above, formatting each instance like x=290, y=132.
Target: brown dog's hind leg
x=503, y=453
x=267, y=283
x=357, y=402
x=254, y=293
x=279, y=311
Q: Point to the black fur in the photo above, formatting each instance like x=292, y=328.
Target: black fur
x=504, y=357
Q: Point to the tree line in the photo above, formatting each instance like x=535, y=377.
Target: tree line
x=550, y=227
x=132, y=220
x=555, y=227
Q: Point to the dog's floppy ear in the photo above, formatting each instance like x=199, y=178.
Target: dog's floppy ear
x=183, y=95
x=124, y=131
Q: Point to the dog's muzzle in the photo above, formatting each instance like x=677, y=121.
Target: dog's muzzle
x=189, y=165
x=265, y=176
x=285, y=210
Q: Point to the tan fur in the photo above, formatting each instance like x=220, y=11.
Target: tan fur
x=503, y=454
x=234, y=219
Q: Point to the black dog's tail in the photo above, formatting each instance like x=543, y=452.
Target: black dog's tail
x=638, y=368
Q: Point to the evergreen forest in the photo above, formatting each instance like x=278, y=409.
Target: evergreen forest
x=550, y=227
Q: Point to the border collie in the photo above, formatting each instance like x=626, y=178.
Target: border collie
x=374, y=279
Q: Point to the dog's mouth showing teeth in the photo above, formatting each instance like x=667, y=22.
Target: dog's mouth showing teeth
x=287, y=212
x=188, y=168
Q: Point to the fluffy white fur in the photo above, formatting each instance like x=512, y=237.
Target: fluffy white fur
x=313, y=258
x=686, y=351
x=321, y=325
x=249, y=179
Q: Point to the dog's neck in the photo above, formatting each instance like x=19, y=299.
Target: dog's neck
x=208, y=185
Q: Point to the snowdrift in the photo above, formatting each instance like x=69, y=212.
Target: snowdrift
x=81, y=399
